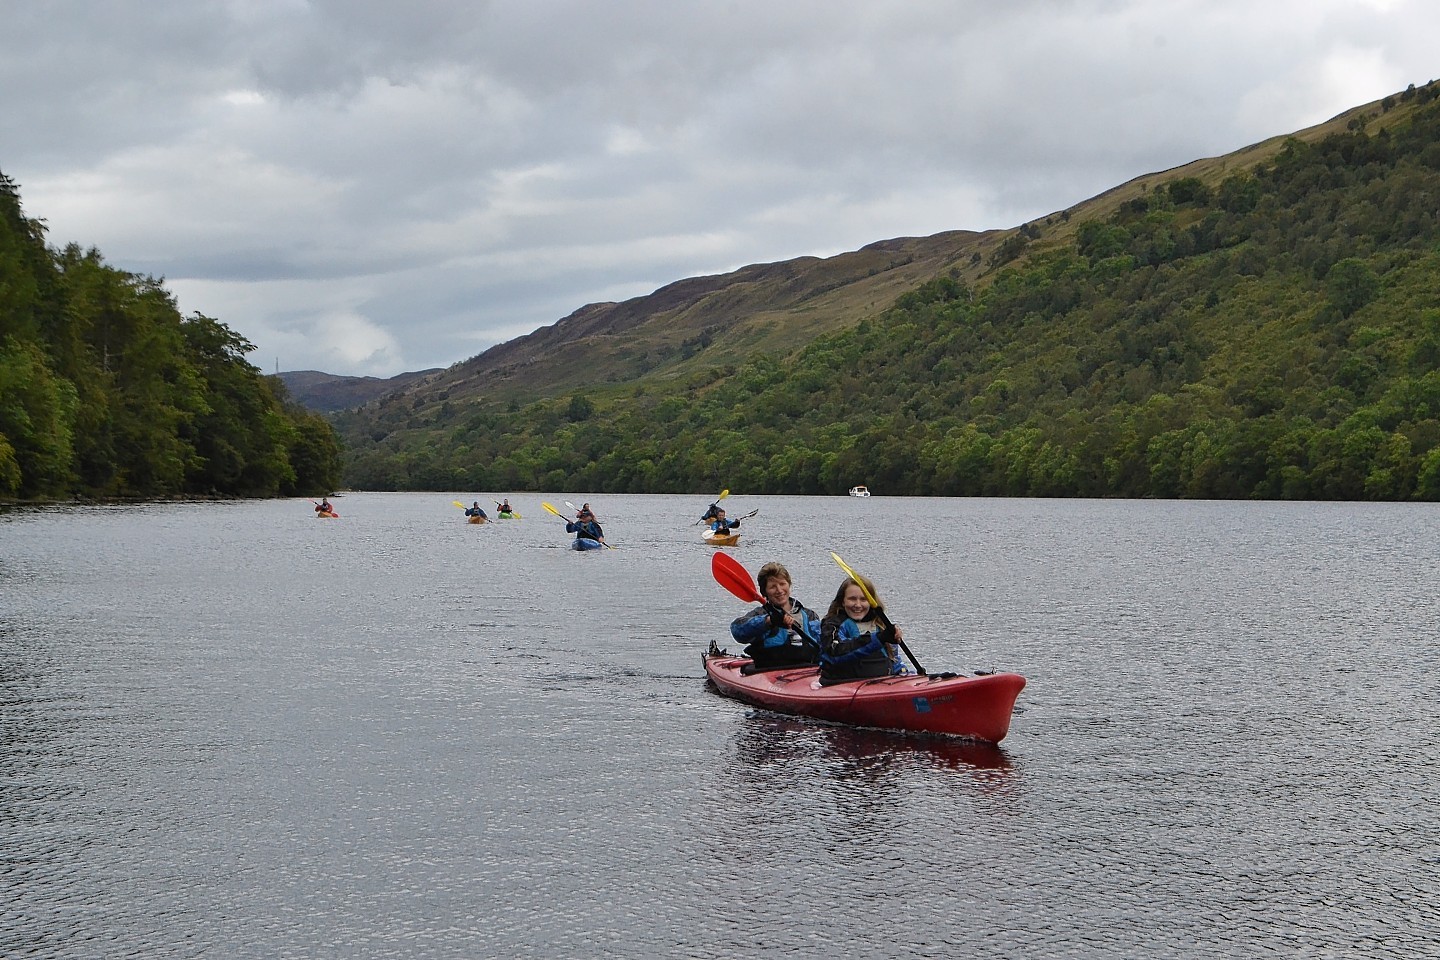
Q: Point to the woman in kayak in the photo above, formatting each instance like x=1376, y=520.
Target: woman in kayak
x=587, y=529
x=853, y=643
x=782, y=631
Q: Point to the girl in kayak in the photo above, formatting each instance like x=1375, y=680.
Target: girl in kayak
x=782, y=631
x=853, y=643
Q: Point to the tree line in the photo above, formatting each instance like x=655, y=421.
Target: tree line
x=106, y=391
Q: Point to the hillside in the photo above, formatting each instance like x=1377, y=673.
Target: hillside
x=687, y=325
x=762, y=307
x=327, y=392
x=1237, y=326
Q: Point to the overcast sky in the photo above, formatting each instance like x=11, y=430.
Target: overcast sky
x=367, y=187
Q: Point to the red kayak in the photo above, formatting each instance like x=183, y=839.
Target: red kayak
x=975, y=707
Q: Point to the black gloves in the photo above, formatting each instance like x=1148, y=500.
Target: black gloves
x=777, y=617
x=887, y=634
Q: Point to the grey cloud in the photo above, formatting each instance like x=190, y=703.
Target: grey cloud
x=452, y=171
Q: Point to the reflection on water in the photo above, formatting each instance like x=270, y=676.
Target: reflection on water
x=229, y=731
x=766, y=737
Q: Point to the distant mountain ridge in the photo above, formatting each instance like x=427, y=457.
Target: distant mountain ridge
x=329, y=393
x=695, y=324
x=1262, y=324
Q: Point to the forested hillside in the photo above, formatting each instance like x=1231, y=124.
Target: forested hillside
x=107, y=391
x=1270, y=331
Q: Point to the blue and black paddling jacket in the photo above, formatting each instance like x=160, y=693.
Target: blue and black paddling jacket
x=764, y=640
x=588, y=529
x=853, y=651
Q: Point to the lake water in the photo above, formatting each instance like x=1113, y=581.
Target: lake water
x=232, y=730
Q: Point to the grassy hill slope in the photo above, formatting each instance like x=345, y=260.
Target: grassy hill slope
x=1214, y=330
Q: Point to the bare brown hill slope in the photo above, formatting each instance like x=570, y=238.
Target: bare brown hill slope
x=704, y=322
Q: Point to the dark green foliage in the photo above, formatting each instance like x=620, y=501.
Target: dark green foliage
x=105, y=390
x=1277, y=336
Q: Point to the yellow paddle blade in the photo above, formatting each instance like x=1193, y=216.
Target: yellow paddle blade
x=856, y=577
x=550, y=509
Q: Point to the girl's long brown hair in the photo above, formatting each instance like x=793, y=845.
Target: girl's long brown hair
x=837, y=606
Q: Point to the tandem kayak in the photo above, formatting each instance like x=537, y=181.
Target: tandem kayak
x=585, y=543
x=978, y=708
x=718, y=539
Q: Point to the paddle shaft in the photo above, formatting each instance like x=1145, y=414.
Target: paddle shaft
x=551, y=509
x=885, y=620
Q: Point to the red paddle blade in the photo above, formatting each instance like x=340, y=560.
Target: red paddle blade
x=733, y=577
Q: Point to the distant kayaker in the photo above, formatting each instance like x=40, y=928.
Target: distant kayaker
x=585, y=513
x=505, y=506
x=475, y=510
x=710, y=513
x=782, y=631
x=856, y=641
x=586, y=529
x=324, y=506
x=721, y=525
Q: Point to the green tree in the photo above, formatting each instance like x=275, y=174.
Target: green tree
x=1350, y=285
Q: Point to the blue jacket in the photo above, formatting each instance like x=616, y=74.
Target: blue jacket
x=754, y=629
x=849, y=653
x=588, y=529
x=722, y=526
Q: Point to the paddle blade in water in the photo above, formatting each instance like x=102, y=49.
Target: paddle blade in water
x=735, y=578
